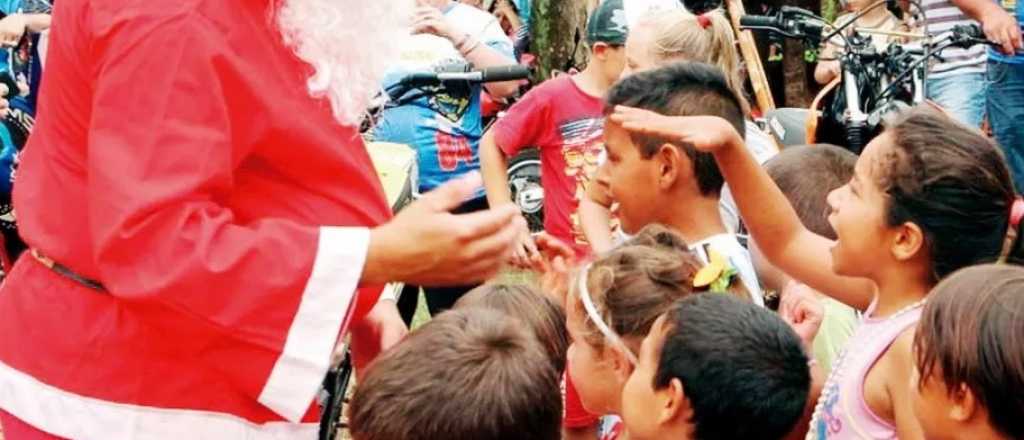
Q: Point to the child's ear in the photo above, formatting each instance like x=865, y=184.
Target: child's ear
x=670, y=166
x=621, y=363
x=964, y=404
x=908, y=241
x=676, y=407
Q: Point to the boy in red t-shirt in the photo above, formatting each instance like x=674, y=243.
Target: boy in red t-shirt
x=564, y=118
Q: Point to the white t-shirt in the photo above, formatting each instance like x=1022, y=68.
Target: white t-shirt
x=638, y=8
x=763, y=147
x=738, y=256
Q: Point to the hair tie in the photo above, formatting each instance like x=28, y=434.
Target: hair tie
x=1016, y=212
x=704, y=21
x=595, y=317
x=716, y=275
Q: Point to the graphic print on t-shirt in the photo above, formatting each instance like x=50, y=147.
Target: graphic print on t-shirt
x=452, y=149
x=583, y=144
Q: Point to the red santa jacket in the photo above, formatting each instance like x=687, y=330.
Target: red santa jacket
x=179, y=160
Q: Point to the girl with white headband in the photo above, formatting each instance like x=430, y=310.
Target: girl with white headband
x=614, y=301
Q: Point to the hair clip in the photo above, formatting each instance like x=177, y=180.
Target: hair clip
x=717, y=275
x=1016, y=212
x=704, y=20
x=595, y=317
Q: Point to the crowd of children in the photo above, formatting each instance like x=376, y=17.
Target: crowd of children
x=899, y=313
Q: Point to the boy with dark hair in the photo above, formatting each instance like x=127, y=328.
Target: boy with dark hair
x=969, y=362
x=716, y=367
x=658, y=180
x=563, y=118
x=806, y=175
x=466, y=374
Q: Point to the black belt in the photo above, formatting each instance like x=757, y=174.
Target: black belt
x=67, y=273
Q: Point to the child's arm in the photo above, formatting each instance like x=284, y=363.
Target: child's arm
x=828, y=68
x=596, y=215
x=494, y=169
x=37, y=22
x=14, y=26
x=803, y=255
x=899, y=361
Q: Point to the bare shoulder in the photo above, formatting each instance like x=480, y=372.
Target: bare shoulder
x=898, y=361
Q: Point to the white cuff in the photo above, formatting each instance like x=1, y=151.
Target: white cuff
x=326, y=302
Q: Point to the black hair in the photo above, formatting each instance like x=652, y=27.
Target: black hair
x=682, y=89
x=953, y=183
x=698, y=7
x=743, y=369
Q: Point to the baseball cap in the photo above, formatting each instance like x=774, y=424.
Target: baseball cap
x=608, y=24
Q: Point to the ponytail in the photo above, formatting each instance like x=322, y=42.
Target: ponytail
x=707, y=38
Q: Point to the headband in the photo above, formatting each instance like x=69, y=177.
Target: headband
x=595, y=317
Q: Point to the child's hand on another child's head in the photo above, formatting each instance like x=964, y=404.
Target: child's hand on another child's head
x=800, y=307
x=705, y=133
x=553, y=260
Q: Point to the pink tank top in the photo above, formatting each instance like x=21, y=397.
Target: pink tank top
x=841, y=412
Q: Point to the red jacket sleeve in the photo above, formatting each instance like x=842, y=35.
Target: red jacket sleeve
x=160, y=158
x=525, y=124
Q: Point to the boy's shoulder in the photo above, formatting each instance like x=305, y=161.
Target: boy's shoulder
x=552, y=88
x=561, y=93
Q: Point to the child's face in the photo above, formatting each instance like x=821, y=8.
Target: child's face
x=858, y=215
x=932, y=406
x=613, y=61
x=857, y=5
x=646, y=412
x=593, y=371
x=639, y=56
x=632, y=180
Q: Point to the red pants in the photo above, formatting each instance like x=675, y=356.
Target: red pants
x=15, y=429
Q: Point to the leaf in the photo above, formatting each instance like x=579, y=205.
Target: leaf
x=721, y=284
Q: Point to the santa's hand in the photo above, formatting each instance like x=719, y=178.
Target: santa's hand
x=427, y=245
x=802, y=310
x=705, y=133
x=430, y=20
x=12, y=28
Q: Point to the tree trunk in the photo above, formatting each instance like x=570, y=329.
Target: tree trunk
x=557, y=31
x=795, y=69
x=798, y=72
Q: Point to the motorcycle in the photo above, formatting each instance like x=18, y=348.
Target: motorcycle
x=873, y=86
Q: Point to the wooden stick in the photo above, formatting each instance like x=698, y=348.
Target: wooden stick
x=748, y=49
x=890, y=33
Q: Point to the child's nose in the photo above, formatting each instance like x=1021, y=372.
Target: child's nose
x=833, y=199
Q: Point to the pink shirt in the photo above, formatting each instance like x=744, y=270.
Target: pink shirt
x=841, y=412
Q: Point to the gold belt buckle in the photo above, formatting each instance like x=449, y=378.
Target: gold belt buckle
x=39, y=257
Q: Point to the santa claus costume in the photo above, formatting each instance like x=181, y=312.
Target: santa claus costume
x=199, y=223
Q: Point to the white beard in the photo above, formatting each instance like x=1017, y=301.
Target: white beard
x=349, y=43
